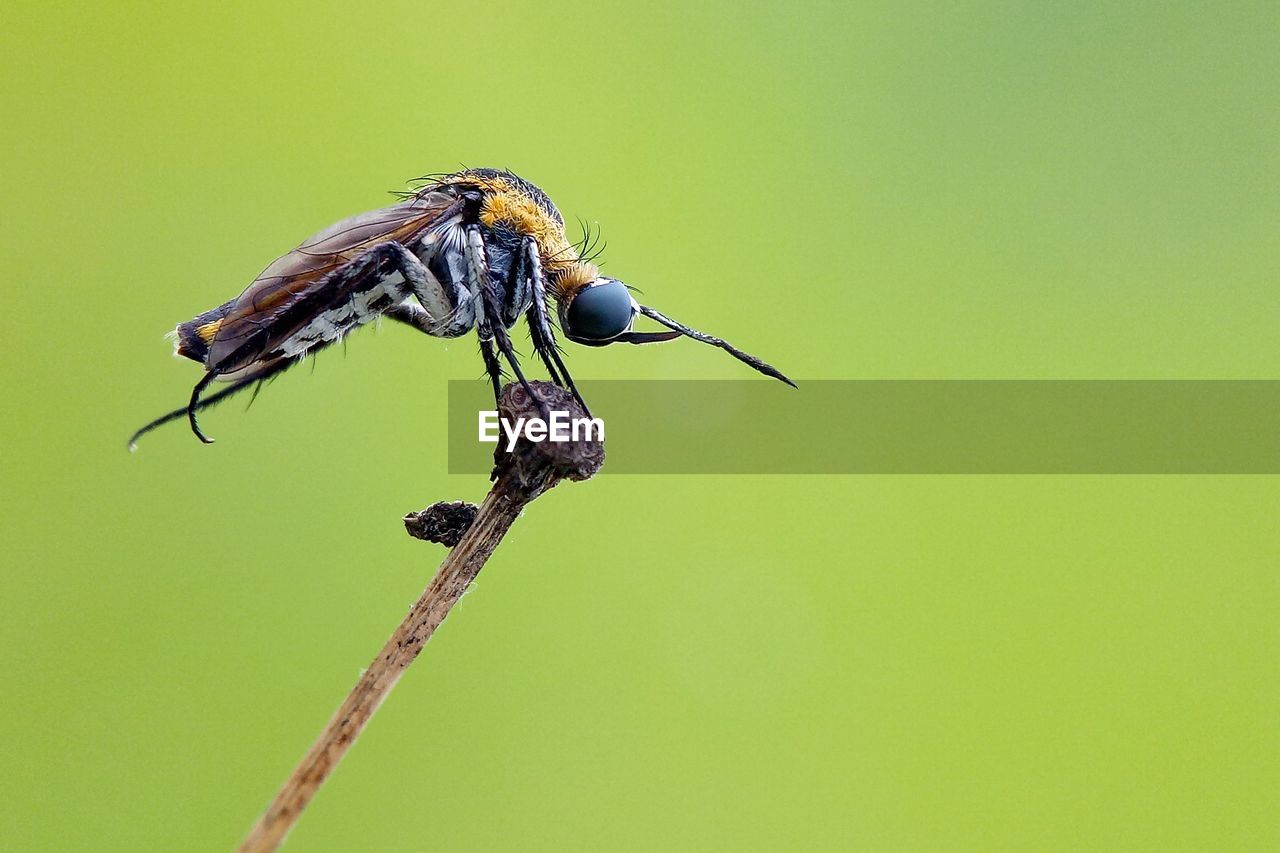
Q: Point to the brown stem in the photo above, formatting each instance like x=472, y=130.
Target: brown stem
x=519, y=477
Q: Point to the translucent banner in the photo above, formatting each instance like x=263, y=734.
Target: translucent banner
x=912, y=427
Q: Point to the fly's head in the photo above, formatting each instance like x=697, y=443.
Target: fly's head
x=602, y=312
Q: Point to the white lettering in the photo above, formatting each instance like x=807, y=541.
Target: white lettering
x=489, y=427
x=588, y=426
x=512, y=434
x=559, y=426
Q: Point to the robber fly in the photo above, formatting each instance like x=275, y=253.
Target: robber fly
x=478, y=249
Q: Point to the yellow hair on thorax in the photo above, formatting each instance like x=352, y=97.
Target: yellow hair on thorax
x=506, y=204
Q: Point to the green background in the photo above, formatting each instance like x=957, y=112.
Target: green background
x=892, y=190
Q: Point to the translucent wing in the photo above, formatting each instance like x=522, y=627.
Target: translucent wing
x=276, y=304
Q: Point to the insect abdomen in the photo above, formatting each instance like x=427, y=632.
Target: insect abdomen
x=336, y=321
x=195, y=336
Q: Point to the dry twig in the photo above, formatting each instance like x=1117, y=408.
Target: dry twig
x=519, y=477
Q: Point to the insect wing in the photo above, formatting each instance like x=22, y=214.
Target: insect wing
x=271, y=309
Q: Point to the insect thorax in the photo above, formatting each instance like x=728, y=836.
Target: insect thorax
x=514, y=208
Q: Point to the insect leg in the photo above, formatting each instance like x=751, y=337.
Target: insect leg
x=540, y=346
x=518, y=287
x=194, y=403
x=540, y=330
x=489, y=305
x=445, y=311
x=412, y=315
x=493, y=367
x=216, y=397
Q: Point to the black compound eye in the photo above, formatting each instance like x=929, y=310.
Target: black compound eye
x=599, y=312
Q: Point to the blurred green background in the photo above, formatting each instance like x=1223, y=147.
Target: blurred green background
x=852, y=190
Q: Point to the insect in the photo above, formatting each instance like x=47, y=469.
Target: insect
x=478, y=249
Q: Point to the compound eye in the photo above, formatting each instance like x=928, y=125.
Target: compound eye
x=600, y=312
